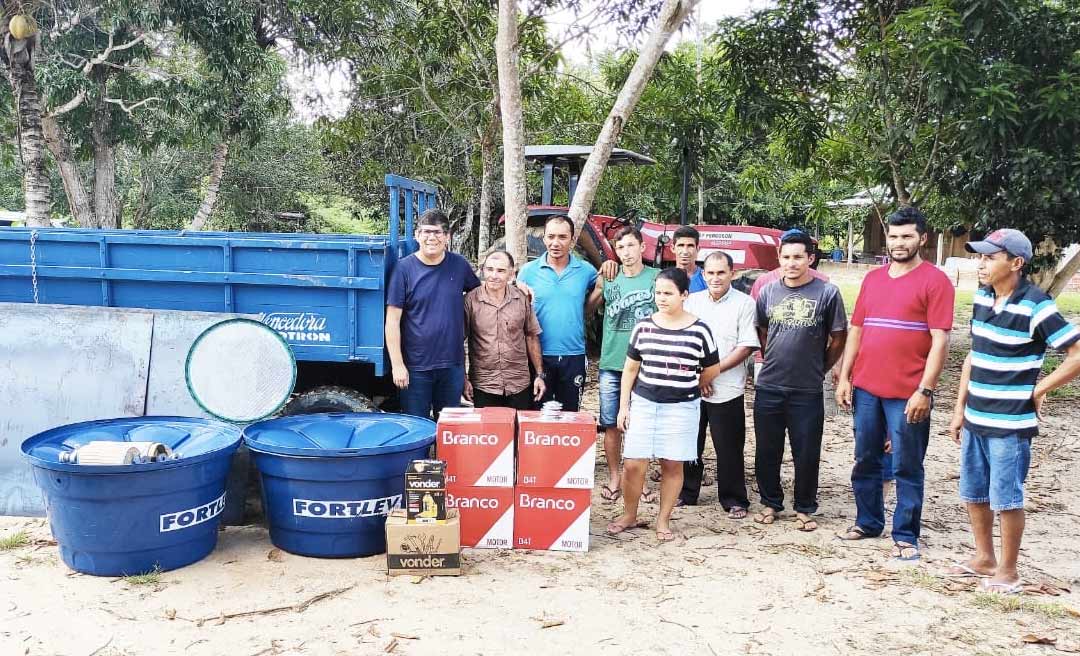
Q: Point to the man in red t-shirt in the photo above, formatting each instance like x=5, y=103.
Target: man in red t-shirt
x=896, y=348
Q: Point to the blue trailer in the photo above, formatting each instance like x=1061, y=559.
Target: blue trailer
x=324, y=293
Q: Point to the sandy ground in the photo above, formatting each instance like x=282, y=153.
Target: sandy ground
x=727, y=587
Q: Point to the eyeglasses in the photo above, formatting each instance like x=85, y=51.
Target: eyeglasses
x=428, y=232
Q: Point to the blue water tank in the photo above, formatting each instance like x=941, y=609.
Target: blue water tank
x=330, y=480
x=116, y=520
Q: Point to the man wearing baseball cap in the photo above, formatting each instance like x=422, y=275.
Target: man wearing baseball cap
x=1000, y=400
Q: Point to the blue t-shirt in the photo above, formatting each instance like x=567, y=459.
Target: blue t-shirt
x=697, y=281
x=432, y=310
x=559, y=301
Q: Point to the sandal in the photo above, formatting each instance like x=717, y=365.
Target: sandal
x=767, y=516
x=899, y=548
x=737, y=512
x=610, y=493
x=614, y=528
x=806, y=524
x=854, y=532
x=959, y=570
x=1002, y=588
x=647, y=496
x=665, y=536
x=655, y=476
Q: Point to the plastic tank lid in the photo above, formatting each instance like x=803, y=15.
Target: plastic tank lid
x=340, y=434
x=192, y=439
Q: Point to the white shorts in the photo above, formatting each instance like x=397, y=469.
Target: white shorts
x=662, y=430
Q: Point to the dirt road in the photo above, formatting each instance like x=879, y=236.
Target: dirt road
x=728, y=587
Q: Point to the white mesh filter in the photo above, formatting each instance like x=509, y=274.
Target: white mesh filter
x=240, y=370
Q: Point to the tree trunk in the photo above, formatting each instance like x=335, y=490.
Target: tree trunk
x=74, y=186
x=507, y=53
x=487, y=175
x=31, y=134
x=217, y=172
x=464, y=241
x=672, y=15
x=106, y=210
x=1064, y=275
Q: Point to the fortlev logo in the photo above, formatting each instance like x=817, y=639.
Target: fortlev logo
x=345, y=509
x=192, y=516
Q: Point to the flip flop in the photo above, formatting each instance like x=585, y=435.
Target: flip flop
x=854, y=532
x=1002, y=588
x=963, y=571
x=766, y=517
x=737, y=512
x=803, y=525
x=610, y=493
x=647, y=496
x=898, y=552
x=665, y=536
x=615, y=529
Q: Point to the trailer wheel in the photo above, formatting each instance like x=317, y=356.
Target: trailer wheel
x=329, y=399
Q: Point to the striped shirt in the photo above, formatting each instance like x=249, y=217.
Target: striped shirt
x=1007, y=348
x=671, y=360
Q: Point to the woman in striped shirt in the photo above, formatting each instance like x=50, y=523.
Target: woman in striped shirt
x=670, y=357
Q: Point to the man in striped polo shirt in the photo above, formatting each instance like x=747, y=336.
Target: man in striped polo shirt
x=999, y=403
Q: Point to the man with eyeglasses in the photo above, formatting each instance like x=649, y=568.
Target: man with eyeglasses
x=425, y=328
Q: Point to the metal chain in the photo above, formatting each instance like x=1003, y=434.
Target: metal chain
x=33, y=263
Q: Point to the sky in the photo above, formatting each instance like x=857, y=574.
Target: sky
x=334, y=83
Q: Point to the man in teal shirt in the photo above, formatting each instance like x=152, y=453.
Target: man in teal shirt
x=626, y=299
x=560, y=283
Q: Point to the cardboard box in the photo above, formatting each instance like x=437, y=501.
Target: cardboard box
x=554, y=519
x=487, y=515
x=556, y=451
x=425, y=492
x=423, y=549
x=477, y=445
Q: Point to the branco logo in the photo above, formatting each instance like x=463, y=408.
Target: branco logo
x=466, y=439
x=345, y=509
x=455, y=501
x=192, y=516
x=540, y=503
x=532, y=439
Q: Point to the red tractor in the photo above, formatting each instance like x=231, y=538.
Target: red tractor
x=753, y=249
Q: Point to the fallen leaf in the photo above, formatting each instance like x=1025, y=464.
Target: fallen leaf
x=547, y=624
x=275, y=555
x=1068, y=647
x=419, y=579
x=170, y=613
x=1032, y=639
x=405, y=636
x=391, y=647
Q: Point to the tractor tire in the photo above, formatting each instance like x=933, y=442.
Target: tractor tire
x=329, y=399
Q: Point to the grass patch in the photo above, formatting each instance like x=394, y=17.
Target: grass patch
x=1017, y=603
x=20, y=539
x=1072, y=390
x=922, y=579
x=149, y=578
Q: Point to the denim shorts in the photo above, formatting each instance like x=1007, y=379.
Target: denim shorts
x=610, y=385
x=667, y=431
x=993, y=469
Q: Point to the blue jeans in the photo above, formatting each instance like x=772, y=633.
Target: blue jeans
x=610, y=388
x=876, y=418
x=431, y=391
x=993, y=469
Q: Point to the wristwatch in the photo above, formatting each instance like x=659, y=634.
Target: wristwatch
x=927, y=392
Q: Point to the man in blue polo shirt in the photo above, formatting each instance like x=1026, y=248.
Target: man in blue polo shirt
x=425, y=320
x=560, y=283
x=1000, y=400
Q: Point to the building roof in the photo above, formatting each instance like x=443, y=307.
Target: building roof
x=564, y=154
